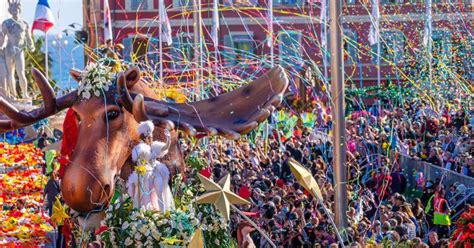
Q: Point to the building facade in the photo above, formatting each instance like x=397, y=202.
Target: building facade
x=297, y=30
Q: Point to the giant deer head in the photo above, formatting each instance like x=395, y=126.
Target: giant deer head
x=108, y=124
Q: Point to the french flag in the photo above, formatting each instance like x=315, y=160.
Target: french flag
x=44, y=19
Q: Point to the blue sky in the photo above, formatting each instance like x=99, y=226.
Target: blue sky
x=65, y=12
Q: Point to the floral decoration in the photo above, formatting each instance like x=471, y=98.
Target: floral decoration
x=132, y=227
x=96, y=79
x=22, y=220
x=25, y=155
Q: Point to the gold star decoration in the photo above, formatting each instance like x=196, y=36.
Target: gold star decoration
x=197, y=241
x=220, y=195
x=59, y=213
x=304, y=177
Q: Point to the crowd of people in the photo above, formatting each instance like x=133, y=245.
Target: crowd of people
x=380, y=211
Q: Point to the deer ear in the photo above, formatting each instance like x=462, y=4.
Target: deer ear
x=132, y=76
x=76, y=74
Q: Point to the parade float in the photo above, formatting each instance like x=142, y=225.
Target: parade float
x=108, y=109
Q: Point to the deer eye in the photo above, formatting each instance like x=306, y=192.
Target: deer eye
x=112, y=115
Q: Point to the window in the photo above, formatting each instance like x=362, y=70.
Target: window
x=127, y=43
x=238, y=49
x=391, y=2
x=351, y=2
x=392, y=47
x=181, y=52
x=289, y=44
x=288, y=2
x=135, y=48
x=350, y=47
x=139, y=4
x=183, y=3
x=349, y=43
x=240, y=2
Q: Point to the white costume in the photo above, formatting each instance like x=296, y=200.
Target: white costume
x=150, y=191
x=141, y=154
x=161, y=177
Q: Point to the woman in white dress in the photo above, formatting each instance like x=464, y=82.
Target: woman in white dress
x=141, y=155
x=151, y=190
x=161, y=175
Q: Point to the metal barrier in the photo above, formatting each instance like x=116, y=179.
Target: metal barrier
x=433, y=172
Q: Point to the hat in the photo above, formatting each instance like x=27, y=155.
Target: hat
x=146, y=128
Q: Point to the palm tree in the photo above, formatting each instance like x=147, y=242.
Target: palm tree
x=36, y=60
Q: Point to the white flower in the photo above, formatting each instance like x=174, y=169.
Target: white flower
x=128, y=241
x=125, y=225
x=86, y=95
x=137, y=236
x=194, y=222
x=216, y=241
x=156, y=235
x=95, y=78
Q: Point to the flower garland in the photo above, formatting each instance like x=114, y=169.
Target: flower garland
x=143, y=228
x=215, y=229
x=96, y=79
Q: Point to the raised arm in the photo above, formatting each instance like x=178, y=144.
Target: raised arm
x=3, y=36
x=29, y=40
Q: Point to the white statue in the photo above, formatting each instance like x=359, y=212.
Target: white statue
x=3, y=69
x=17, y=36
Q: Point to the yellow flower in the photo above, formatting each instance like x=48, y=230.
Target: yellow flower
x=24, y=233
x=36, y=219
x=46, y=227
x=171, y=240
x=10, y=224
x=141, y=170
x=59, y=213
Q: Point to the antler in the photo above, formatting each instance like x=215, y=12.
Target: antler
x=51, y=105
x=230, y=114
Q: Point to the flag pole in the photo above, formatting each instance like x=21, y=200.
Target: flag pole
x=201, y=62
x=339, y=127
x=160, y=41
x=429, y=40
x=46, y=57
x=324, y=34
x=377, y=31
x=215, y=35
x=270, y=31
